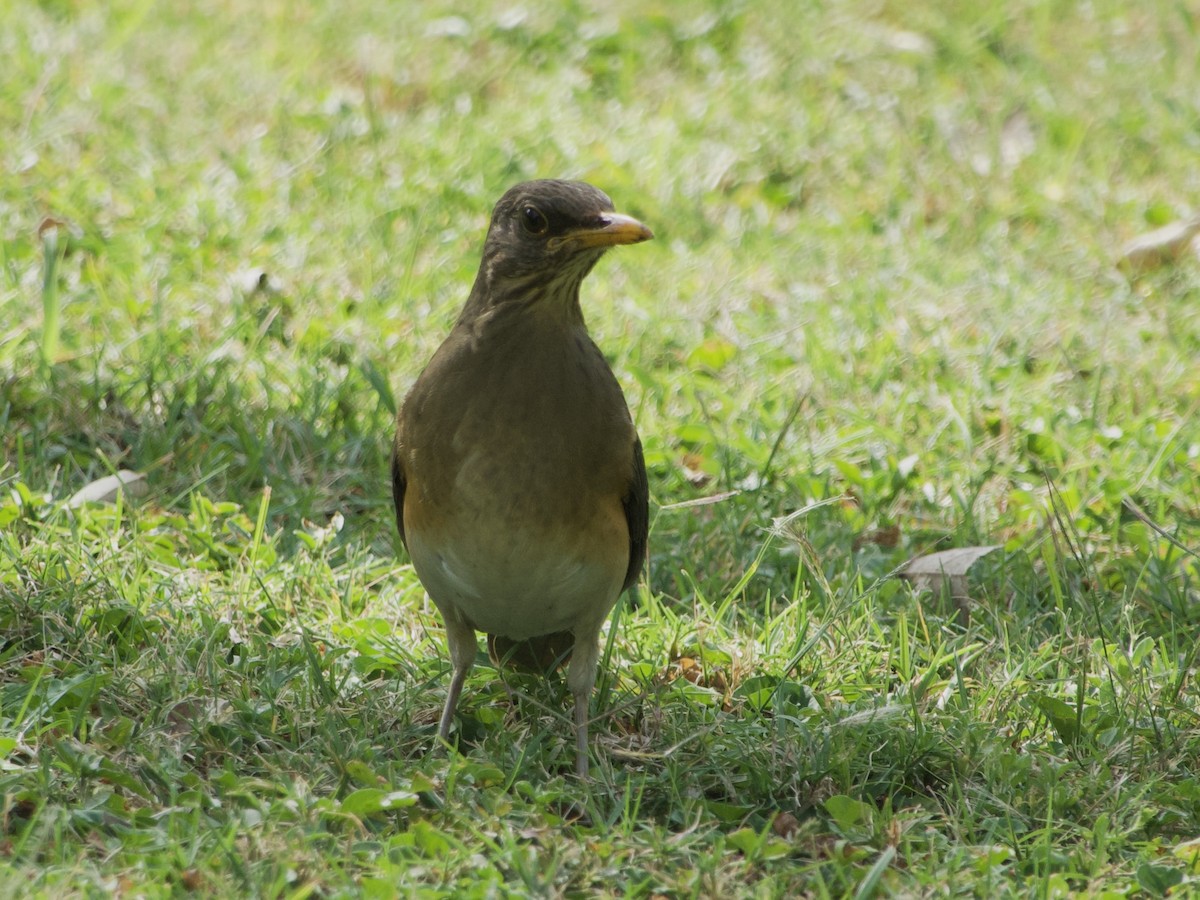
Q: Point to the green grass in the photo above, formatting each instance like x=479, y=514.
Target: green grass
x=882, y=298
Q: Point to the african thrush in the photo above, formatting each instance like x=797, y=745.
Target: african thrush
x=517, y=474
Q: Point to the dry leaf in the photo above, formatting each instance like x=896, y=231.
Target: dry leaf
x=785, y=825
x=899, y=40
x=691, y=670
x=1017, y=141
x=1160, y=247
x=932, y=571
x=947, y=571
x=880, y=537
x=701, y=501
x=105, y=490
x=188, y=715
x=910, y=42
x=191, y=879
x=692, y=463
x=50, y=223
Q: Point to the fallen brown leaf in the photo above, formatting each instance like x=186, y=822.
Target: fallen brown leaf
x=880, y=537
x=947, y=571
x=105, y=490
x=785, y=825
x=1160, y=247
x=692, y=465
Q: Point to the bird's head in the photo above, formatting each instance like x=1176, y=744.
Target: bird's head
x=545, y=236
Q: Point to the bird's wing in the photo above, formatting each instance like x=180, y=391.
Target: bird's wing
x=399, y=483
x=637, y=516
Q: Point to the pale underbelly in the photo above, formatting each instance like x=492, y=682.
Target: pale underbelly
x=521, y=585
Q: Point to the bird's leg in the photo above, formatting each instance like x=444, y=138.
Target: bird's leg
x=456, y=683
x=581, y=678
x=461, y=639
x=581, y=734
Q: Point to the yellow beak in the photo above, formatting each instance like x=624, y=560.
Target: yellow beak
x=614, y=229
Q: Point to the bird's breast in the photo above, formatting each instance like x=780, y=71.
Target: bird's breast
x=516, y=475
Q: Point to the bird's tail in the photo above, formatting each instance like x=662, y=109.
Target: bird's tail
x=537, y=654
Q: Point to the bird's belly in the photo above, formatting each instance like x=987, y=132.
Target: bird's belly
x=518, y=582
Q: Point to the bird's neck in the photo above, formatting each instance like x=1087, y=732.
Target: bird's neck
x=531, y=302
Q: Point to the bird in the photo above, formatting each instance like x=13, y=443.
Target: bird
x=518, y=475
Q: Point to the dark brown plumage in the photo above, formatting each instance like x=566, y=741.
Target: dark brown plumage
x=517, y=475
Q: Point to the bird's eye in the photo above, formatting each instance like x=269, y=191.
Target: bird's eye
x=534, y=221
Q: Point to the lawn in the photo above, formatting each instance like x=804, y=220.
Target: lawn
x=882, y=317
